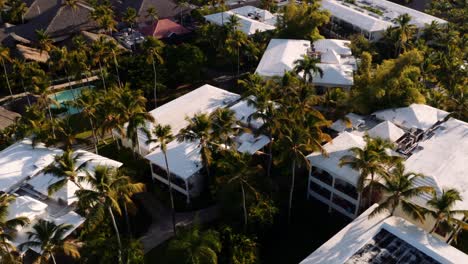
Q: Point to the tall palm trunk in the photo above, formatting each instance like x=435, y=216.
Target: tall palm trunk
x=116, y=229
x=102, y=76
x=6, y=77
x=25, y=92
x=117, y=68
x=52, y=257
x=94, y=135
x=244, y=207
x=371, y=190
x=436, y=225
x=270, y=157
x=155, y=85
x=291, y=191
x=170, y=193
x=127, y=219
x=51, y=120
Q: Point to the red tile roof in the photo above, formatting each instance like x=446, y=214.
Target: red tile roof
x=163, y=28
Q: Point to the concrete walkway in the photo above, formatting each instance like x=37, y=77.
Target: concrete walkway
x=161, y=226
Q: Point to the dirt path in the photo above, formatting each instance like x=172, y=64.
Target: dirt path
x=161, y=227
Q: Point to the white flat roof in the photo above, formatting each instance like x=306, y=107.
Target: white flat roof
x=71, y=218
x=280, y=55
x=20, y=161
x=336, y=63
x=336, y=149
x=341, y=247
x=386, y=130
x=247, y=19
x=340, y=46
x=372, y=22
x=184, y=158
x=25, y=206
x=243, y=111
x=443, y=159
x=41, y=182
x=355, y=120
x=204, y=99
x=414, y=116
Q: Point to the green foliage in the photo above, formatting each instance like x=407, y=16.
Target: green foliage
x=301, y=21
x=185, y=62
x=394, y=83
x=194, y=246
x=454, y=11
x=238, y=248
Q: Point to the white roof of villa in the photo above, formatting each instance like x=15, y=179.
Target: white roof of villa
x=20, y=161
x=70, y=218
x=443, y=159
x=41, y=182
x=204, y=99
x=184, y=158
x=337, y=149
x=414, y=116
x=386, y=130
x=372, y=22
x=243, y=111
x=355, y=120
x=25, y=206
x=251, y=19
x=336, y=63
x=392, y=238
x=280, y=55
x=338, y=45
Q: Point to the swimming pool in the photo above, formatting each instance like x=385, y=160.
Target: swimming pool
x=66, y=96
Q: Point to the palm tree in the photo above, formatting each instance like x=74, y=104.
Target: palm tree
x=50, y=238
x=131, y=107
x=107, y=187
x=195, y=246
x=370, y=162
x=152, y=13
x=130, y=16
x=238, y=169
x=441, y=209
x=5, y=57
x=399, y=187
x=225, y=126
x=21, y=68
x=234, y=42
x=297, y=142
x=199, y=130
x=153, y=49
x=403, y=33
x=65, y=168
x=163, y=136
x=88, y=103
x=308, y=66
x=44, y=42
x=8, y=228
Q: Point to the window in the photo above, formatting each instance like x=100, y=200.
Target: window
x=158, y=170
x=320, y=190
x=323, y=176
x=346, y=188
x=163, y=174
x=345, y=204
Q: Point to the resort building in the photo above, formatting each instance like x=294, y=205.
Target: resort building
x=430, y=142
x=336, y=60
x=383, y=239
x=184, y=159
x=251, y=19
x=164, y=29
x=370, y=17
x=21, y=175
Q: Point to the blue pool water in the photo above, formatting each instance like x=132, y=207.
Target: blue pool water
x=67, y=96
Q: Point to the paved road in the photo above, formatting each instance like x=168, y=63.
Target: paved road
x=161, y=227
